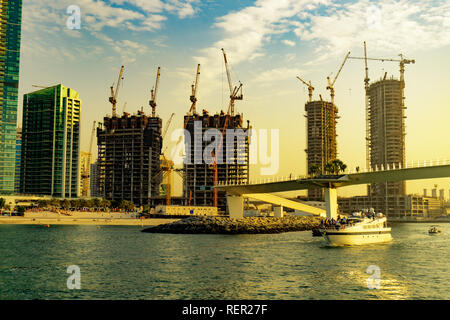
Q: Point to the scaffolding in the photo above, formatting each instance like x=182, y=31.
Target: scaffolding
x=198, y=179
x=129, y=151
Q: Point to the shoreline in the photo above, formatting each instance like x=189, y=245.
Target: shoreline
x=84, y=221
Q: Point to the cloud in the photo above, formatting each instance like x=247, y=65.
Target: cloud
x=387, y=26
x=289, y=43
x=246, y=31
x=275, y=75
x=98, y=18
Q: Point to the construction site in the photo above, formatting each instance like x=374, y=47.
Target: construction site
x=199, y=177
x=321, y=119
x=129, y=149
x=385, y=144
x=132, y=164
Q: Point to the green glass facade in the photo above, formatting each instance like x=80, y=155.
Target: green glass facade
x=10, y=19
x=51, y=143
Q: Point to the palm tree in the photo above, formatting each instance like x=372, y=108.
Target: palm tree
x=335, y=167
x=329, y=167
x=314, y=170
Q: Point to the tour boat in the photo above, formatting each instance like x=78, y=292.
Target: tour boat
x=358, y=230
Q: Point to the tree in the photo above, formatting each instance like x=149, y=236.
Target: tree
x=65, y=204
x=2, y=203
x=126, y=205
x=335, y=167
x=314, y=170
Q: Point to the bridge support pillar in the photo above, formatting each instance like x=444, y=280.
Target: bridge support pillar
x=278, y=211
x=331, y=203
x=235, y=206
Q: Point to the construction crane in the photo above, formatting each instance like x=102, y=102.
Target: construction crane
x=310, y=88
x=154, y=93
x=236, y=93
x=124, y=106
x=402, y=63
x=114, y=93
x=193, y=96
x=167, y=165
x=193, y=99
x=331, y=84
x=85, y=174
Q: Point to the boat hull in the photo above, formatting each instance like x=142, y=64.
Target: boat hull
x=357, y=238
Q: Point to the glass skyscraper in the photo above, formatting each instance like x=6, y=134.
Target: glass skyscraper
x=10, y=24
x=51, y=142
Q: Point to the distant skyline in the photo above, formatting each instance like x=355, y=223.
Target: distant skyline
x=268, y=43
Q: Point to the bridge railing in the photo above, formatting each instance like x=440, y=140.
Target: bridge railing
x=389, y=167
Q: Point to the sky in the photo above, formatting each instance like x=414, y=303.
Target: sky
x=268, y=43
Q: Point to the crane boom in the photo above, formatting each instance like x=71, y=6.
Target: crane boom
x=114, y=93
x=167, y=125
x=233, y=93
x=228, y=71
x=193, y=97
x=310, y=87
x=331, y=84
x=154, y=93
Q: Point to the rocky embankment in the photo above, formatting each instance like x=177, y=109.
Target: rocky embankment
x=222, y=225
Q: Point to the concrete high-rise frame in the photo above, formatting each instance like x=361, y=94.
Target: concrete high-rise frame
x=129, y=150
x=51, y=142
x=321, y=117
x=198, y=179
x=387, y=138
x=10, y=30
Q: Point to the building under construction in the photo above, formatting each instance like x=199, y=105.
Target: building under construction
x=129, y=151
x=198, y=182
x=321, y=139
x=387, y=133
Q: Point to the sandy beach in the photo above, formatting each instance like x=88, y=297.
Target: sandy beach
x=83, y=218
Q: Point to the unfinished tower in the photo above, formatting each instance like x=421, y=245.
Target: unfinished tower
x=129, y=151
x=199, y=175
x=387, y=137
x=321, y=139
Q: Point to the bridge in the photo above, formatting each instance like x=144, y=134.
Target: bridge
x=261, y=189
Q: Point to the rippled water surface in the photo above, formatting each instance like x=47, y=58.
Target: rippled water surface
x=124, y=263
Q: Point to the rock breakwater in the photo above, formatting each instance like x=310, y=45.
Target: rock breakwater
x=224, y=225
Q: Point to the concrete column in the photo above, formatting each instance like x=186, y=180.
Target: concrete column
x=278, y=212
x=331, y=202
x=235, y=206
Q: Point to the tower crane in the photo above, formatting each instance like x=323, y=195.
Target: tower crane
x=193, y=97
x=236, y=93
x=167, y=165
x=114, y=93
x=402, y=63
x=310, y=88
x=331, y=84
x=85, y=175
x=154, y=93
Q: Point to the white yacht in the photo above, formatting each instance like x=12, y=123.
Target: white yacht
x=359, y=229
